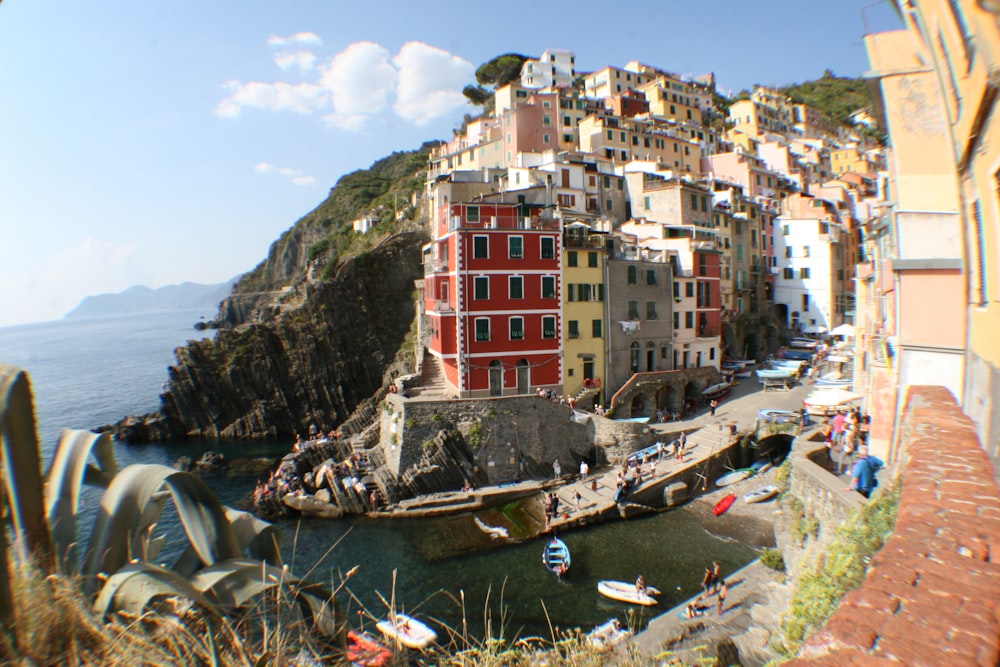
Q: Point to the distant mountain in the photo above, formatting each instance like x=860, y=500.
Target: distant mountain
x=140, y=299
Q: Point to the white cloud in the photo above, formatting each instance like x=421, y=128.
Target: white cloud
x=300, y=98
x=418, y=84
x=430, y=82
x=359, y=80
x=296, y=175
x=303, y=60
x=297, y=38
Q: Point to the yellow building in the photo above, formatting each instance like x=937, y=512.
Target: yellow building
x=584, y=317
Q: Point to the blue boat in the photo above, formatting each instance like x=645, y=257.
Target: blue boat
x=776, y=374
x=799, y=355
x=555, y=557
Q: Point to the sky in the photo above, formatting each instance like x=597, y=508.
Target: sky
x=157, y=142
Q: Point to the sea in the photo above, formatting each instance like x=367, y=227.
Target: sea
x=87, y=373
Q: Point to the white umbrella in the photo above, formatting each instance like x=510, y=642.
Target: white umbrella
x=832, y=397
x=845, y=330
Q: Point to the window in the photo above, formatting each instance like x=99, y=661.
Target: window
x=704, y=204
x=570, y=292
x=805, y=302
x=592, y=260
x=633, y=275
x=573, y=329
x=546, y=138
x=480, y=247
x=788, y=251
x=515, y=247
x=609, y=205
x=805, y=251
x=688, y=289
x=548, y=247
x=633, y=310
x=548, y=287
x=548, y=327
x=689, y=319
x=571, y=258
x=711, y=353
x=515, y=287
x=611, y=135
x=650, y=277
x=482, y=287
x=694, y=201
x=482, y=328
x=596, y=328
x=788, y=273
x=517, y=328
x=804, y=274
x=546, y=121
x=651, y=310
x=567, y=121
x=583, y=289
x=645, y=203
x=677, y=320
x=568, y=138
x=472, y=213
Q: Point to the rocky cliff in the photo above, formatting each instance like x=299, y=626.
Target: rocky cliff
x=315, y=330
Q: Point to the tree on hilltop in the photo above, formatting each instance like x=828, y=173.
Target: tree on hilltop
x=494, y=73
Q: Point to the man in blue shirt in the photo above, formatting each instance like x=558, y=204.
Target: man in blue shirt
x=863, y=473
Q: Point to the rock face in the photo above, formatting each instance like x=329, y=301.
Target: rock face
x=321, y=351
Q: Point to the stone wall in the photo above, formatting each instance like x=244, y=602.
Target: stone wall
x=932, y=594
x=506, y=438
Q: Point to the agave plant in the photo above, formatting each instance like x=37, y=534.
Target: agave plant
x=231, y=558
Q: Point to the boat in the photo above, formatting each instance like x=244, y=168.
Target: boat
x=798, y=355
x=717, y=390
x=804, y=343
x=733, y=477
x=363, y=650
x=626, y=592
x=724, y=504
x=761, y=494
x=833, y=379
x=743, y=362
x=651, y=453
x=555, y=557
x=787, y=364
x=745, y=373
x=607, y=635
x=775, y=374
x=408, y=631
x=760, y=466
x=635, y=420
x=496, y=532
x=771, y=416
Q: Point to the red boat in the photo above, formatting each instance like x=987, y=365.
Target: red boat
x=363, y=650
x=724, y=504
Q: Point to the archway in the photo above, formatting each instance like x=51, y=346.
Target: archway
x=781, y=313
x=692, y=397
x=638, y=406
x=496, y=378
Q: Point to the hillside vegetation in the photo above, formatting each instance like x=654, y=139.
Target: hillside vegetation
x=837, y=96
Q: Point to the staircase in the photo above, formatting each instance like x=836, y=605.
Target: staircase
x=432, y=382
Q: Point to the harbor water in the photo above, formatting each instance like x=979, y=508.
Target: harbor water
x=86, y=373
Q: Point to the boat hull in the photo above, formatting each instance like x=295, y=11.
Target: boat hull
x=724, y=504
x=408, y=631
x=761, y=494
x=625, y=592
x=555, y=557
x=608, y=635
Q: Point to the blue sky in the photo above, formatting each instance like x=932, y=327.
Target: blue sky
x=153, y=142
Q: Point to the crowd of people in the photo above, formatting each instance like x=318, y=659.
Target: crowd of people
x=711, y=584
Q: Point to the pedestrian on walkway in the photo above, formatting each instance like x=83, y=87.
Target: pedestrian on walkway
x=681, y=444
x=712, y=406
x=584, y=470
x=706, y=581
x=716, y=571
x=556, y=469
x=722, y=596
x=576, y=499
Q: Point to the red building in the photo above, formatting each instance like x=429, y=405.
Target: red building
x=708, y=309
x=492, y=294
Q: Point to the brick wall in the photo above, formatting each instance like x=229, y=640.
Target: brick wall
x=932, y=595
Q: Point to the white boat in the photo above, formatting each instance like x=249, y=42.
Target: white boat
x=775, y=374
x=745, y=373
x=761, y=494
x=794, y=364
x=408, y=631
x=607, y=635
x=833, y=379
x=803, y=343
x=717, y=390
x=626, y=592
x=733, y=477
x=778, y=416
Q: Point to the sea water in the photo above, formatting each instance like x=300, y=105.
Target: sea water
x=86, y=373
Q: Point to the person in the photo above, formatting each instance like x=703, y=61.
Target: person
x=467, y=487
x=716, y=571
x=712, y=406
x=693, y=609
x=640, y=585
x=722, y=596
x=298, y=444
x=584, y=470
x=556, y=469
x=863, y=474
x=838, y=427
x=373, y=499
x=576, y=500
x=681, y=442
x=313, y=431
x=706, y=581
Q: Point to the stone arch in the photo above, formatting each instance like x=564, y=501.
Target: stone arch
x=692, y=396
x=638, y=406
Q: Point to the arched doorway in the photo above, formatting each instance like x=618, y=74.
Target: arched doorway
x=523, y=379
x=781, y=313
x=496, y=378
x=692, y=398
x=665, y=399
x=638, y=407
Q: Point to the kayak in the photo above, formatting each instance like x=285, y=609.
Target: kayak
x=761, y=494
x=363, y=650
x=626, y=592
x=607, y=635
x=408, y=631
x=555, y=557
x=724, y=504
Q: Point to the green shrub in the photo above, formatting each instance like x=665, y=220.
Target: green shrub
x=476, y=437
x=773, y=559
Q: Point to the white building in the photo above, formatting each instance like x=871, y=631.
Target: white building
x=554, y=68
x=809, y=255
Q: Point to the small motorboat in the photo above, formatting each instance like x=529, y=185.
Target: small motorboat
x=651, y=453
x=716, y=391
x=734, y=477
x=408, y=631
x=724, y=504
x=761, y=494
x=608, y=635
x=555, y=557
x=776, y=373
x=363, y=650
x=797, y=355
x=626, y=592
x=778, y=416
